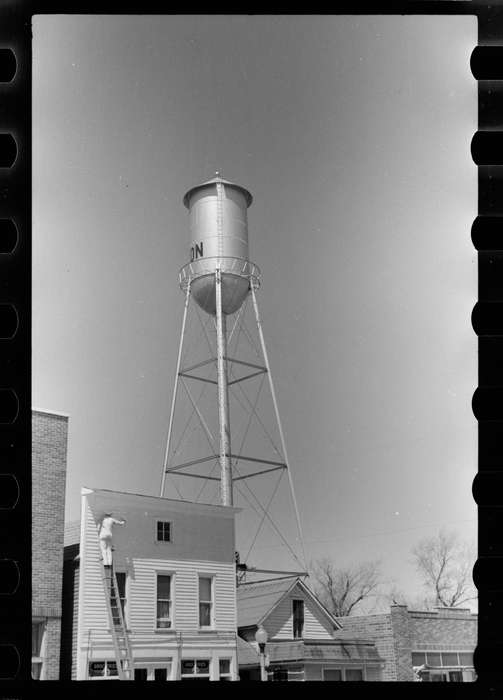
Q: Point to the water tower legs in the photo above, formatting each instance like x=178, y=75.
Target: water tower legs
x=223, y=399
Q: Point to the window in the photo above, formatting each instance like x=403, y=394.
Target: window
x=455, y=677
x=163, y=531
x=433, y=659
x=195, y=669
x=280, y=674
x=121, y=585
x=37, y=649
x=298, y=619
x=465, y=658
x=332, y=674
x=342, y=674
x=225, y=669
x=205, y=601
x=353, y=674
x=102, y=669
x=153, y=672
x=418, y=658
x=163, y=601
x=449, y=658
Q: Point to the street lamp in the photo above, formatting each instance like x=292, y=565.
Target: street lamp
x=261, y=639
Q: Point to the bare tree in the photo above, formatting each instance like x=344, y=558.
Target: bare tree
x=445, y=565
x=341, y=590
x=396, y=596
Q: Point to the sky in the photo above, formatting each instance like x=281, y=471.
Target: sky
x=352, y=134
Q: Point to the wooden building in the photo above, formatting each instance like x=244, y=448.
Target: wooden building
x=303, y=637
x=175, y=567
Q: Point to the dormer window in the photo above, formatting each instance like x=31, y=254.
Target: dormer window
x=298, y=618
x=164, y=531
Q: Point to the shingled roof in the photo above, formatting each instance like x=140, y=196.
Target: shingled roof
x=255, y=600
x=336, y=650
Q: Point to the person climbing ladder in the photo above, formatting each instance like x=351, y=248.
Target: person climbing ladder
x=105, y=536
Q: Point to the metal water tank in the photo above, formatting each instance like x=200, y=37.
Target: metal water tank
x=218, y=241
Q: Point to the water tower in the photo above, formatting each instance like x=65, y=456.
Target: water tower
x=218, y=278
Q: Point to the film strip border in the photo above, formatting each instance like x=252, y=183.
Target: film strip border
x=15, y=337
x=487, y=321
x=15, y=317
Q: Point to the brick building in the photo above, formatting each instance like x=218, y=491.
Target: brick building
x=49, y=452
x=440, y=642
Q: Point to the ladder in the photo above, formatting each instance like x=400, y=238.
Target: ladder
x=120, y=639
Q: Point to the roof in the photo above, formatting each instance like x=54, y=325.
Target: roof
x=255, y=600
x=124, y=499
x=347, y=651
x=247, y=654
x=213, y=181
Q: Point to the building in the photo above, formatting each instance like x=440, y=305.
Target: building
x=175, y=566
x=303, y=637
x=49, y=454
x=438, y=643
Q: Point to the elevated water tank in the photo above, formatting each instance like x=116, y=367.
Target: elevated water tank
x=218, y=240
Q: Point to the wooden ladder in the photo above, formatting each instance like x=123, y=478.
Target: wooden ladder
x=120, y=639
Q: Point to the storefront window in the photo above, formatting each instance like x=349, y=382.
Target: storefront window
x=195, y=669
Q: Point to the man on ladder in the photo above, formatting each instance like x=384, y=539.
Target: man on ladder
x=122, y=647
x=105, y=537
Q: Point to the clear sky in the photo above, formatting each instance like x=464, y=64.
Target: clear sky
x=353, y=134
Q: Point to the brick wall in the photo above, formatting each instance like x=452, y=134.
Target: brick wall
x=402, y=631
x=378, y=629
x=443, y=629
x=400, y=623
x=49, y=447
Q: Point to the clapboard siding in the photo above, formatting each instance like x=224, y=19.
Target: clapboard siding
x=141, y=597
x=279, y=624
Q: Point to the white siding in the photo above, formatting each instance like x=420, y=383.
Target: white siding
x=279, y=624
x=147, y=643
x=185, y=594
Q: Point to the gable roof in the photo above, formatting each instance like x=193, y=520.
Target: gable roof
x=255, y=601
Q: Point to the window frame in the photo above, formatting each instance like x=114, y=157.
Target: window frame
x=158, y=522
x=343, y=670
x=211, y=577
x=228, y=676
x=106, y=675
x=150, y=667
x=195, y=659
x=171, y=575
x=123, y=601
x=303, y=607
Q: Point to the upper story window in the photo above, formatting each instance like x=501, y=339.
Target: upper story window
x=121, y=585
x=205, y=601
x=298, y=618
x=164, y=531
x=164, y=602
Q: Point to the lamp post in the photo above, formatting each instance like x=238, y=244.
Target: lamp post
x=261, y=639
